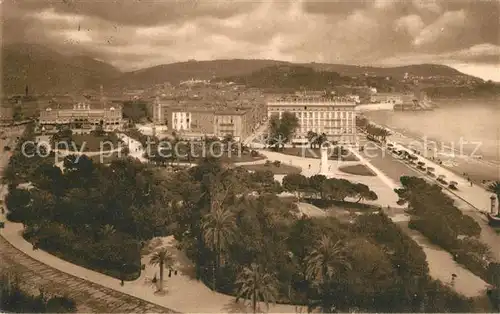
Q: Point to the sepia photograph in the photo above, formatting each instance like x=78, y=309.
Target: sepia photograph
x=250, y=156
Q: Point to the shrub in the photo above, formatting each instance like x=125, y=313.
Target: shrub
x=118, y=255
x=254, y=153
x=277, y=163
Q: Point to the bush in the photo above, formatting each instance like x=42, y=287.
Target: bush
x=254, y=153
x=277, y=163
x=117, y=256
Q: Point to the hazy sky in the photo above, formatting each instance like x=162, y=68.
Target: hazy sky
x=132, y=34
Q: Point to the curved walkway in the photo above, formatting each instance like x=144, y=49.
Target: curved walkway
x=90, y=297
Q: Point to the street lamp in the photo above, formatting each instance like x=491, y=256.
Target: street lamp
x=122, y=274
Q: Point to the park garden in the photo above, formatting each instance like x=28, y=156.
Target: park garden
x=242, y=237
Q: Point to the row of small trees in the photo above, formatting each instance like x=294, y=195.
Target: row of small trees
x=373, y=131
x=434, y=214
x=319, y=186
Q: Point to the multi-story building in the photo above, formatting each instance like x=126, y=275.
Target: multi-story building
x=237, y=123
x=196, y=120
x=181, y=120
x=336, y=117
x=83, y=115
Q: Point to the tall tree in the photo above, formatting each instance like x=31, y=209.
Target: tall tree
x=256, y=285
x=282, y=129
x=322, y=264
x=218, y=232
x=164, y=259
x=311, y=137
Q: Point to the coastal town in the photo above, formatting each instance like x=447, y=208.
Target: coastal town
x=244, y=185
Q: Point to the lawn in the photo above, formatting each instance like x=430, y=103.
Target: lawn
x=198, y=151
x=276, y=170
x=243, y=157
x=341, y=205
x=93, y=142
x=359, y=170
x=315, y=153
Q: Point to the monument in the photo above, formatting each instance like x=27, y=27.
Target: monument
x=323, y=166
x=493, y=210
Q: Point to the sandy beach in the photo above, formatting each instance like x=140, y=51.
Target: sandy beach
x=461, y=161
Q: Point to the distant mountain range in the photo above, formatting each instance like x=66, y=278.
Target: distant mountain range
x=46, y=71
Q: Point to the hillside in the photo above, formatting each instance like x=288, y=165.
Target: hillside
x=295, y=77
x=47, y=71
x=180, y=71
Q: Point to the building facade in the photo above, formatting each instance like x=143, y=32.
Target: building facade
x=181, y=120
x=82, y=115
x=184, y=119
x=336, y=117
x=236, y=123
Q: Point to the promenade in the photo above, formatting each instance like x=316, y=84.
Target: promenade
x=473, y=194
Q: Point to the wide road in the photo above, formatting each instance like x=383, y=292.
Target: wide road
x=34, y=275
x=260, y=130
x=395, y=168
x=385, y=162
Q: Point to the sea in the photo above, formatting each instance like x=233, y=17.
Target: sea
x=464, y=134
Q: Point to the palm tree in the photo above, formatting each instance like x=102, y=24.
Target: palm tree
x=218, y=233
x=163, y=258
x=256, y=285
x=383, y=133
x=495, y=188
x=311, y=137
x=323, y=263
x=106, y=231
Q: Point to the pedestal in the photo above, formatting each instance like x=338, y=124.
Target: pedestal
x=323, y=168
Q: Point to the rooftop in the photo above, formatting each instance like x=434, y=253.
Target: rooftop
x=230, y=112
x=307, y=100
x=70, y=105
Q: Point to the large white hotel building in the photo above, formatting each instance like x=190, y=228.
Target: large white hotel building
x=334, y=116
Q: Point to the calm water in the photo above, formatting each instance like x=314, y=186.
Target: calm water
x=472, y=121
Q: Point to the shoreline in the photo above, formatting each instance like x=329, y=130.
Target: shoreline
x=480, y=171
